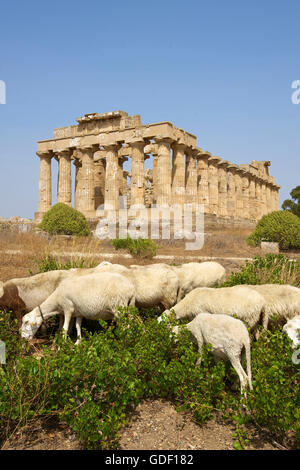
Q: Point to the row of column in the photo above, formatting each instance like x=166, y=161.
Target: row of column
x=193, y=177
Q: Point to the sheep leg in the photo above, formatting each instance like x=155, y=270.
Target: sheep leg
x=199, y=341
x=68, y=316
x=78, y=329
x=235, y=362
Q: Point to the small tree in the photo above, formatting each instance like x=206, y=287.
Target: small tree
x=294, y=204
x=62, y=219
x=279, y=226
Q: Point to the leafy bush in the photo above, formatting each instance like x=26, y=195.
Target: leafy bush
x=92, y=386
x=62, y=219
x=279, y=226
x=144, y=248
x=271, y=269
x=51, y=263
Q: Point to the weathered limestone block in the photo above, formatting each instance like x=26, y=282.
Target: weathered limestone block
x=163, y=173
x=45, y=194
x=191, y=178
x=64, y=182
x=178, y=175
x=269, y=247
x=202, y=173
x=213, y=181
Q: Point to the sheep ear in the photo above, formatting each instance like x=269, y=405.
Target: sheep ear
x=1, y=289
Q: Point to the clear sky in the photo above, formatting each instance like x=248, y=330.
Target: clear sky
x=221, y=70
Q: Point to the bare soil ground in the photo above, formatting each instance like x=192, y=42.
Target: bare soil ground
x=153, y=424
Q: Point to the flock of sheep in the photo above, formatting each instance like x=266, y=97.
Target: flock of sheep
x=216, y=315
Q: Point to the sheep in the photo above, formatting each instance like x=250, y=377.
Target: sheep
x=156, y=285
x=93, y=296
x=292, y=329
x=281, y=301
x=241, y=301
x=193, y=275
x=228, y=338
x=21, y=295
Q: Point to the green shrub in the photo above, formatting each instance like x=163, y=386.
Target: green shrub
x=282, y=227
x=51, y=263
x=62, y=219
x=94, y=385
x=144, y=248
x=271, y=269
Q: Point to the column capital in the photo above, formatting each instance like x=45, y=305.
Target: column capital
x=214, y=159
x=48, y=154
x=223, y=164
x=203, y=155
x=63, y=153
x=163, y=140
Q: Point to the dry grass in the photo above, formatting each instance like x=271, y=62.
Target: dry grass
x=18, y=251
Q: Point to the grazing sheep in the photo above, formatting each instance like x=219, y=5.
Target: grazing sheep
x=292, y=329
x=241, y=301
x=281, y=301
x=228, y=338
x=193, y=275
x=21, y=295
x=94, y=296
x=156, y=285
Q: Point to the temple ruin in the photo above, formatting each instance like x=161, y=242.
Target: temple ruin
x=181, y=173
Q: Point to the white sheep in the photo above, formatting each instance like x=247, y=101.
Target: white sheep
x=243, y=302
x=193, y=275
x=281, y=301
x=228, y=338
x=156, y=285
x=21, y=295
x=292, y=329
x=93, y=296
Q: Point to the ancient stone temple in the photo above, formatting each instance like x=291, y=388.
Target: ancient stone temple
x=181, y=173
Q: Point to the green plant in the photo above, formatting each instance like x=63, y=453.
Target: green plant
x=279, y=226
x=62, y=219
x=92, y=386
x=294, y=204
x=271, y=269
x=51, y=263
x=145, y=248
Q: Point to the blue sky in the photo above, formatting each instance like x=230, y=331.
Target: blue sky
x=221, y=70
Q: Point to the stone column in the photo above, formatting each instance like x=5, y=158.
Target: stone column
x=45, y=194
x=223, y=187
x=231, y=192
x=239, y=193
x=277, y=197
x=111, y=199
x=203, y=190
x=155, y=158
x=86, y=184
x=252, y=201
x=263, y=197
x=64, y=181
x=78, y=165
x=122, y=183
x=258, y=199
x=245, y=194
x=268, y=198
x=191, y=177
x=213, y=182
x=137, y=173
x=178, y=175
x=99, y=180
x=164, y=173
